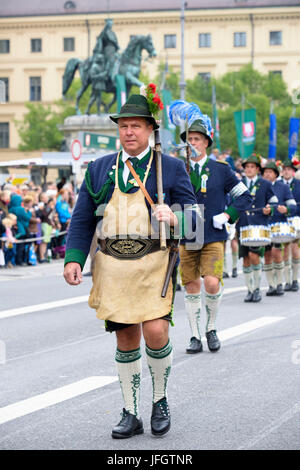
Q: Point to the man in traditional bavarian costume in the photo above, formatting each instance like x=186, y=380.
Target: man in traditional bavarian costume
x=274, y=264
x=212, y=181
x=129, y=269
x=288, y=177
x=263, y=195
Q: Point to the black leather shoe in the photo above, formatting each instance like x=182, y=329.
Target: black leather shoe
x=248, y=297
x=288, y=287
x=256, y=296
x=129, y=426
x=271, y=291
x=213, y=342
x=279, y=290
x=160, y=418
x=295, y=286
x=225, y=275
x=195, y=346
x=234, y=272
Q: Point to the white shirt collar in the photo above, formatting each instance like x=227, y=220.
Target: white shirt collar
x=248, y=180
x=200, y=162
x=125, y=155
x=288, y=181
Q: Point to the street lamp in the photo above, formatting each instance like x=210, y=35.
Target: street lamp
x=182, y=82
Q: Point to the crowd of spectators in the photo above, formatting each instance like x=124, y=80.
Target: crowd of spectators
x=33, y=222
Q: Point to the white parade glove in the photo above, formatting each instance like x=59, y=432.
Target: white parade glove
x=219, y=220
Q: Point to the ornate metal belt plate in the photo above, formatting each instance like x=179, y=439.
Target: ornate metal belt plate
x=130, y=248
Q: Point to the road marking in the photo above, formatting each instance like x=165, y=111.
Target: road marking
x=66, y=392
x=40, y=307
x=38, y=402
x=246, y=327
x=71, y=301
x=272, y=427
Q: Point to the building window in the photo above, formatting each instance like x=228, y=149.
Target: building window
x=170, y=41
x=204, y=40
x=276, y=72
x=275, y=38
x=35, y=89
x=4, y=46
x=205, y=76
x=69, y=44
x=4, y=135
x=36, y=45
x=4, y=89
x=239, y=40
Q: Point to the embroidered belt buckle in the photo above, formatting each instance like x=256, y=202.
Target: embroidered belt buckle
x=129, y=248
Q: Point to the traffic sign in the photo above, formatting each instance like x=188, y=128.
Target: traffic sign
x=76, y=149
x=99, y=141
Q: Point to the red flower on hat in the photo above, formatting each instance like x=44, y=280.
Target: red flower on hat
x=154, y=101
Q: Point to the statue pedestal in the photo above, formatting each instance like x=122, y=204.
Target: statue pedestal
x=74, y=125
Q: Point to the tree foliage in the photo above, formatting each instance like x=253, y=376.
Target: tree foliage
x=260, y=91
x=39, y=126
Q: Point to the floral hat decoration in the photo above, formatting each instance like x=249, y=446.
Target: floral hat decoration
x=147, y=105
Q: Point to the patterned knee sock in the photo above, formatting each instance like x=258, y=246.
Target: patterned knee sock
x=269, y=270
x=235, y=257
x=257, y=268
x=295, y=268
x=248, y=278
x=193, y=308
x=129, y=366
x=225, y=263
x=287, y=272
x=212, y=302
x=279, y=271
x=159, y=363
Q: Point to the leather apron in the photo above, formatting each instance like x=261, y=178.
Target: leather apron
x=129, y=290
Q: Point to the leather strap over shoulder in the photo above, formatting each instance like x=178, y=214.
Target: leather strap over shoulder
x=137, y=179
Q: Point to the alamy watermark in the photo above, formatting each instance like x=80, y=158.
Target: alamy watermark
x=190, y=226
x=296, y=354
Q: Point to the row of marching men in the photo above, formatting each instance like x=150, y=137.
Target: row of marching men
x=270, y=229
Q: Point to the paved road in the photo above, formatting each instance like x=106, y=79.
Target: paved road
x=58, y=379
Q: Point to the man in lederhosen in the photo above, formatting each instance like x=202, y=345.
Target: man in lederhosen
x=292, y=250
x=129, y=269
x=274, y=264
x=212, y=180
x=263, y=195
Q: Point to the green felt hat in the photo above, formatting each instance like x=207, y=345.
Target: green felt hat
x=271, y=166
x=135, y=106
x=288, y=163
x=252, y=159
x=198, y=126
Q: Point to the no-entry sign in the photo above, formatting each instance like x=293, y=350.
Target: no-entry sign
x=76, y=149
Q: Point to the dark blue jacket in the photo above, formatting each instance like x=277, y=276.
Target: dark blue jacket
x=261, y=196
x=221, y=182
x=295, y=189
x=285, y=198
x=177, y=190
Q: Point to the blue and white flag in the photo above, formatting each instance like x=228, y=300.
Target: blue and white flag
x=272, y=137
x=293, y=136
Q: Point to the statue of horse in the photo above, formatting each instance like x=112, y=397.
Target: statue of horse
x=128, y=64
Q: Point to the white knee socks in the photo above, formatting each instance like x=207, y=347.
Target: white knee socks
x=129, y=366
x=193, y=308
x=159, y=363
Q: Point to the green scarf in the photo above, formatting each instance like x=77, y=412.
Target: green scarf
x=101, y=196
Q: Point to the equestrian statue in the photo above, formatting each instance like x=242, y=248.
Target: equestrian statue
x=101, y=68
